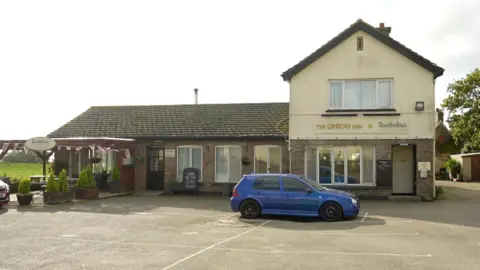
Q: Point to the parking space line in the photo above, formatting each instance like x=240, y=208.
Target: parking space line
x=214, y=245
x=325, y=253
x=364, y=216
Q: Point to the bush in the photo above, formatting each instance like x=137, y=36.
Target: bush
x=52, y=185
x=86, y=180
x=24, y=186
x=439, y=191
x=452, y=164
x=62, y=181
x=115, y=174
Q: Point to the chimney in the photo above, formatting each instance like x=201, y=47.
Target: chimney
x=196, y=95
x=439, y=115
x=384, y=30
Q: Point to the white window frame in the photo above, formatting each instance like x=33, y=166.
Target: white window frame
x=228, y=169
x=179, y=177
x=268, y=156
x=345, y=167
x=377, y=82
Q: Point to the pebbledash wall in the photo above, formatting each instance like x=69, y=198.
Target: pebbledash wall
x=318, y=122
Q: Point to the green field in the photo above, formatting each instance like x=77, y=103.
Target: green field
x=20, y=170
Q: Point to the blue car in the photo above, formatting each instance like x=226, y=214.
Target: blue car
x=293, y=195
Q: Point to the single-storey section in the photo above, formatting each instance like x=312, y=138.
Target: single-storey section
x=222, y=141
x=469, y=166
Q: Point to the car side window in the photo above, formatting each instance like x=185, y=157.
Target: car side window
x=267, y=183
x=293, y=185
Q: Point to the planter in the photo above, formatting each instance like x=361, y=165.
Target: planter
x=13, y=187
x=95, y=160
x=24, y=199
x=128, y=162
x=57, y=197
x=86, y=193
x=115, y=186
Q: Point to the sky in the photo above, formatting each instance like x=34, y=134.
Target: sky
x=58, y=58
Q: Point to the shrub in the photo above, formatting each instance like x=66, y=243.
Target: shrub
x=452, y=164
x=62, y=181
x=115, y=174
x=85, y=179
x=439, y=191
x=24, y=186
x=52, y=185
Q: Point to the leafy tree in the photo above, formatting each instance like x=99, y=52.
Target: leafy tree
x=21, y=157
x=463, y=106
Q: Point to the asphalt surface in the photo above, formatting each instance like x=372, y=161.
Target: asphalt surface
x=182, y=232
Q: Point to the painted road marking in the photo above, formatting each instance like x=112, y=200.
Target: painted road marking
x=214, y=245
x=364, y=216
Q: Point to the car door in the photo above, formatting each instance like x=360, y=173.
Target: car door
x=267, y=190
x=296, y=196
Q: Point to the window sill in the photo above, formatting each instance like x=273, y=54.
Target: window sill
x=360, y=110
x=224, y=183
x=381, y=114
x=350, y=186
x=339, y=115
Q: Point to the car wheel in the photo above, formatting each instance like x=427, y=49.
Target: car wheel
x=250, y=209
x=331, y=211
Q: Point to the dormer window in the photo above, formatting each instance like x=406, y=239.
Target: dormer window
x=359, y=43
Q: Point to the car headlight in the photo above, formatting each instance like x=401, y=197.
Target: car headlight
x=354, y=201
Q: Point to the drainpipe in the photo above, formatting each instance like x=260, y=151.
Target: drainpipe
x=196, y=95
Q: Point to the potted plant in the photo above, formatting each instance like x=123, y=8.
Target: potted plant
x=14, y=185
x=453, y=168
x=86, y=185
x=67, y=195
x=245, y=161
x=51, y=193
x=24, y=197
x=114, y=185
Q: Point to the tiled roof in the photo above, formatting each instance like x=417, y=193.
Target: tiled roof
x=374, y=32
x=180, y=121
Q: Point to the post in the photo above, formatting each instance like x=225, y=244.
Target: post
x=44, y=158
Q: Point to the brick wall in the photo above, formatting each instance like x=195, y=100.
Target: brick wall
x=208, y=150
x=383, y=150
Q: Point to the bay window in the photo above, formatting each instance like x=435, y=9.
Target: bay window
x=341, y=165
x=189, y=156
x=361, y=94
x=228, y=164
x=268, y=159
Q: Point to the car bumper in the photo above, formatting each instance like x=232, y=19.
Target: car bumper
x=352, y=210
x=4, y=200
x=235, y=204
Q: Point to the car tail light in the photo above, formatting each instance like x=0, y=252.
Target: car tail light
x=235, y=193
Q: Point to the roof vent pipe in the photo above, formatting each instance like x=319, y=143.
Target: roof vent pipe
x=196, y=95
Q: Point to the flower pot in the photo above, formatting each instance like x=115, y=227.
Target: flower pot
x=115, y=186
x=57, y=197
x=13, y=187
x=24, y=199
x=86, y=193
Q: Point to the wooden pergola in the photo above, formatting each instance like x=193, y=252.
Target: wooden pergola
x=71, y=143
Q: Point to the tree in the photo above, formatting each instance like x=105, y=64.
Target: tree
x=21, y=157
x=463, y=106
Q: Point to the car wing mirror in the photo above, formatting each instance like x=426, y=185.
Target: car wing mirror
x=308, y=190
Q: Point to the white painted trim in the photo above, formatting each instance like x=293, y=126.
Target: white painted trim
x=79, y=161
x=228, y=169
x=268, y=156
x=190, y=159
x=70, y=163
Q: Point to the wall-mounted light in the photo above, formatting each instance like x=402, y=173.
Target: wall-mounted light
x=419, y=106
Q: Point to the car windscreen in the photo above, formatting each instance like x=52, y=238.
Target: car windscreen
x=312, y=182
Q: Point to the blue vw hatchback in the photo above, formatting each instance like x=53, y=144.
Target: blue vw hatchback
x=293, y=195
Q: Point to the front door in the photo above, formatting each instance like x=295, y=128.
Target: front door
x=403, y=169
x=155, y=168
x=296, y=198
x=267, y=191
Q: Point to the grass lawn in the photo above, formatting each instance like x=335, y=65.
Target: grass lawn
x=20, y=170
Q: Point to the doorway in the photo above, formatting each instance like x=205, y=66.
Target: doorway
x=403, y=161
x=155, y=168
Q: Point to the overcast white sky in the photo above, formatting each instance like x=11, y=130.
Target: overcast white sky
x=57, y=58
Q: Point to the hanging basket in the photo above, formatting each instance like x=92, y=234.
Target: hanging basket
x=95, y=160
x=245, y=161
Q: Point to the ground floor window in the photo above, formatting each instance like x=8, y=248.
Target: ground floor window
x=189, y=157
x=352, y=165
x=228, y=164
x=268, y=159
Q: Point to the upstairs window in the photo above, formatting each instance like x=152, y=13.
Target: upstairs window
x=359, y=43
x=361, y=94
